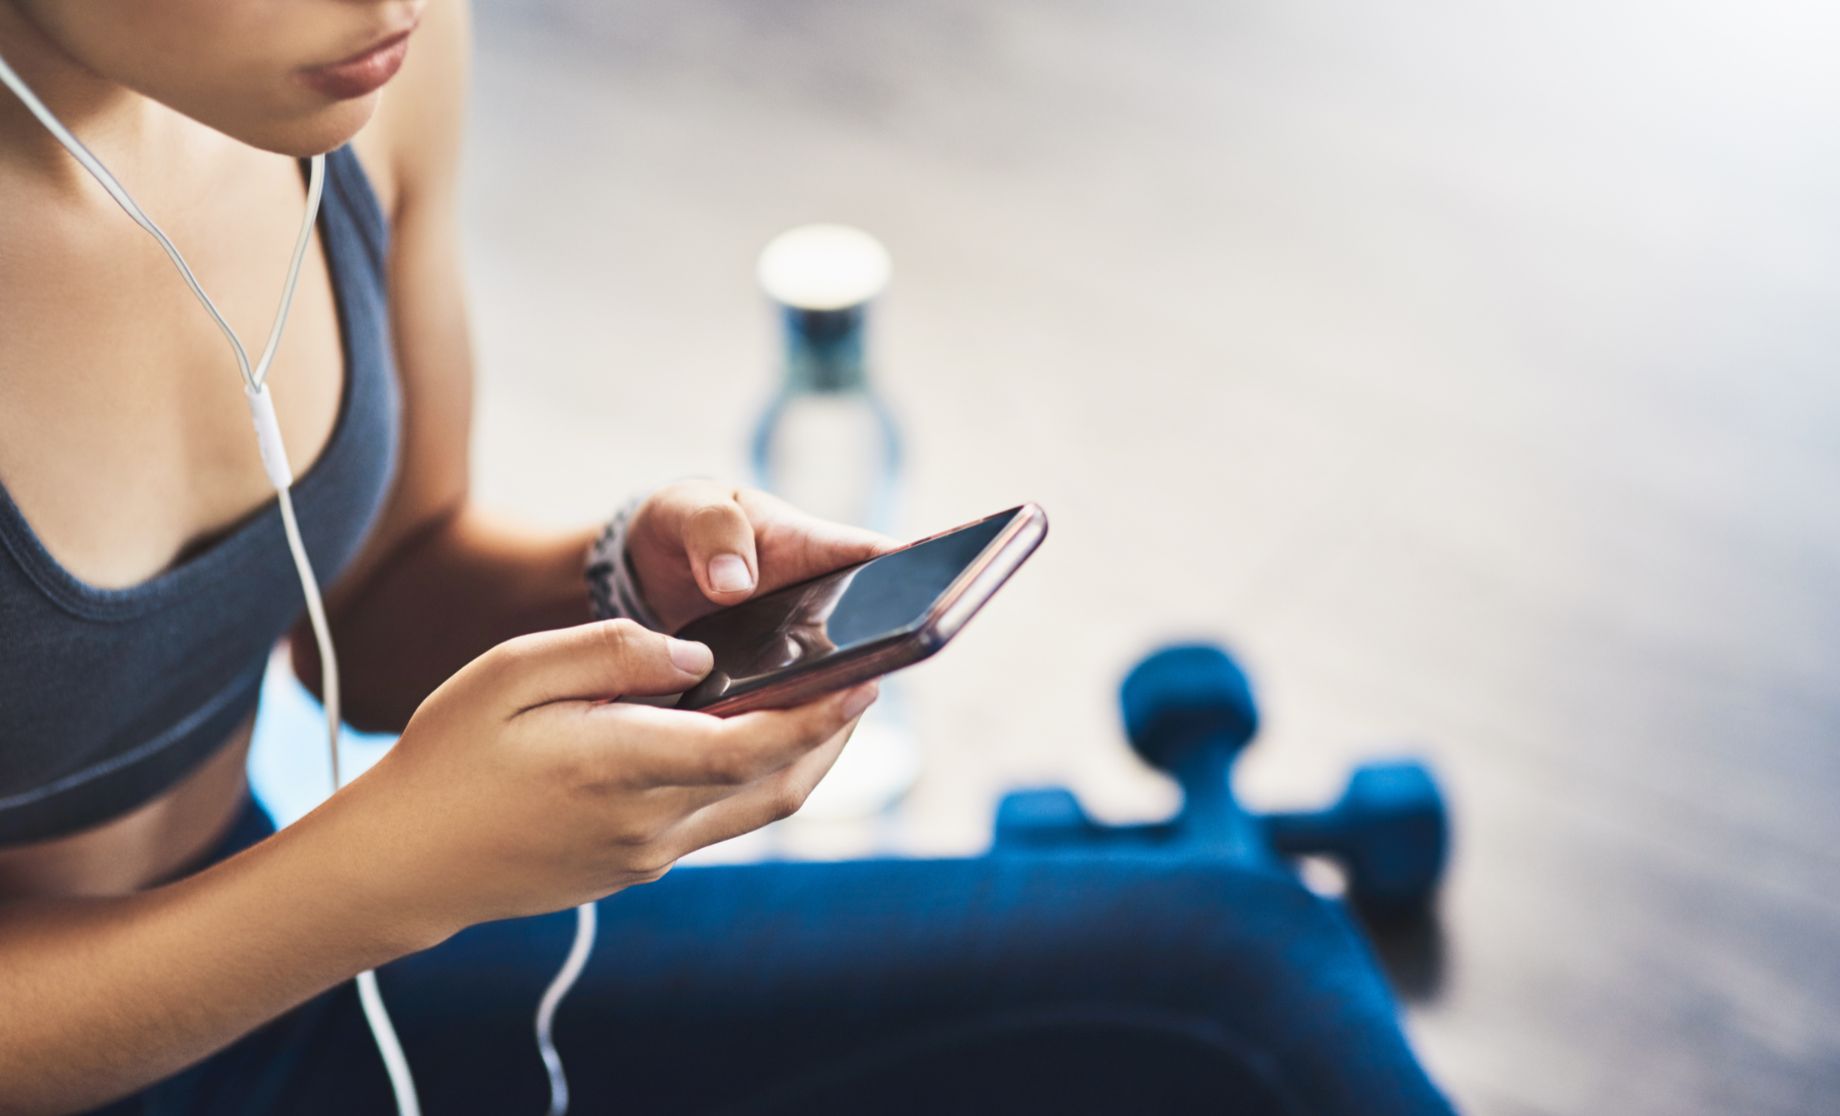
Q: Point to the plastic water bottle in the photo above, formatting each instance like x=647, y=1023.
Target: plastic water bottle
x=828, y=444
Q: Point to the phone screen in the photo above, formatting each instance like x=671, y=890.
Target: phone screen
x=838, y=613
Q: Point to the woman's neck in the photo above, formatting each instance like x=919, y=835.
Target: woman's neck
x=124, y=128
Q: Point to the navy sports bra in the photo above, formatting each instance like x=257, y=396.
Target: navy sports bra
x=110, y=696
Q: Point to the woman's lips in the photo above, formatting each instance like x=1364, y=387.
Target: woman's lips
x=361, y=73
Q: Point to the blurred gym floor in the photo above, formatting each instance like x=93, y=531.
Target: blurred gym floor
x=1468, y=367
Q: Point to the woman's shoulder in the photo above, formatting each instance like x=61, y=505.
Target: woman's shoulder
x=410, y=148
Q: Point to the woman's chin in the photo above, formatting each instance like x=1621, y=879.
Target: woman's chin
x=314, y=133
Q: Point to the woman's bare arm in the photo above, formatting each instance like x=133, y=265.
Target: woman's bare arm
x=99, y=996
x=462, y=584
x=518, y=788
x=439, y=581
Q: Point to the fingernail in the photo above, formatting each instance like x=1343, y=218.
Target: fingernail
x=858, y=700
x=728, y=573
x=691, y=657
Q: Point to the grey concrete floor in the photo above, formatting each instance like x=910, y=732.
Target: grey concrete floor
x=1468, y=366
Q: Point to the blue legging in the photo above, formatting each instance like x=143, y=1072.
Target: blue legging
x=1037, y=983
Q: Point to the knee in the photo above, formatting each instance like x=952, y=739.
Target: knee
x=1220, y=937
x=1273, y=969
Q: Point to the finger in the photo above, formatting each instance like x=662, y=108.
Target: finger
x=599, y=661
x=674, y=747
x=675, y=807
x=800, y=775
x=765, y=801
x=799, y=778
x=717, y=537
x=801, y=544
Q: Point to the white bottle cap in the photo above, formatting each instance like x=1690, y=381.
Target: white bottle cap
x=824, y=267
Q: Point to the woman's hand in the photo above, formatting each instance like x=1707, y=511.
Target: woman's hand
x=520, y=787
x=697, y=546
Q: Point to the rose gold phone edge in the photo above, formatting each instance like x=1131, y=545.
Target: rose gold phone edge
x=955, y=607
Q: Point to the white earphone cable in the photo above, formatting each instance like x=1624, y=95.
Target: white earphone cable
x=101, y=174
x=370, y=997
x=559, y=987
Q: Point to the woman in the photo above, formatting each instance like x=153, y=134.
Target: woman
x=161, y=950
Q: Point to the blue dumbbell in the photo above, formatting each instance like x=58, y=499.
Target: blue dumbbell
x=1189, y=710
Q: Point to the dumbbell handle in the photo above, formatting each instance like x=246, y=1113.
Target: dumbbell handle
x=1211, y=820
x=1296, y=832
x=1388, y=830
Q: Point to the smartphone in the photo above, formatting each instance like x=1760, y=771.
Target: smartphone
x=860, y=622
